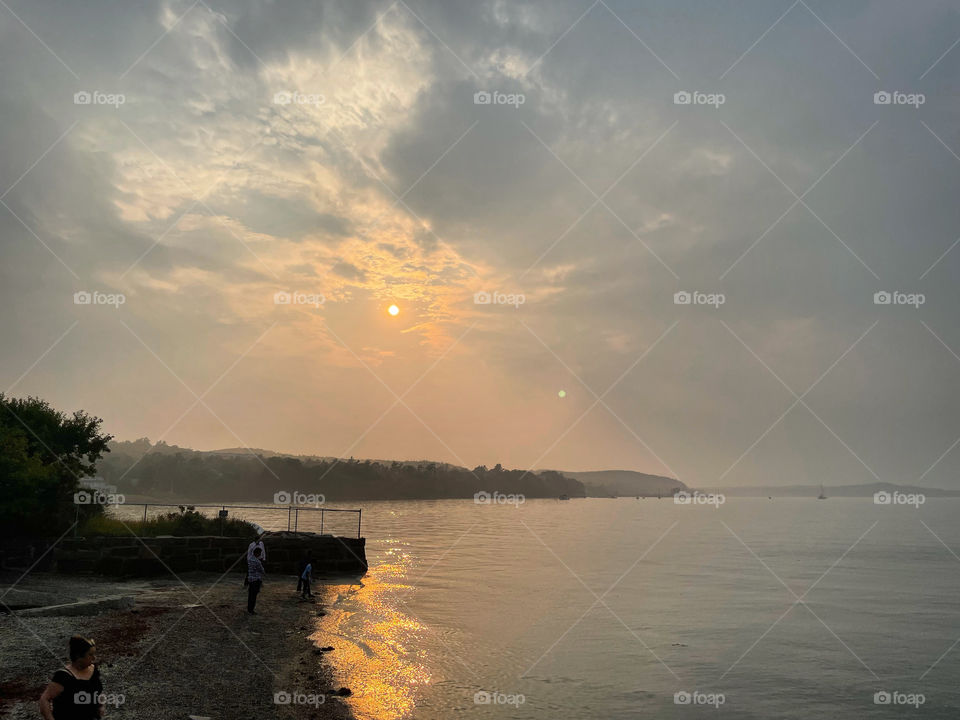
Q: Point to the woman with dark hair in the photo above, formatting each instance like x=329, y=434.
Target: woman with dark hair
x=75, y=691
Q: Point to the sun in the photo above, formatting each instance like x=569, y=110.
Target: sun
x=393, y=310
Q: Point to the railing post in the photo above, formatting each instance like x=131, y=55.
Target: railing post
x=145, y=512
x=359, y=518
x=288, y=518
x=296, y=519
x=321, y=521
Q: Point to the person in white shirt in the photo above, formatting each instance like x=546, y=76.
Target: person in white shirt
x=258, y=543
x=255, y=545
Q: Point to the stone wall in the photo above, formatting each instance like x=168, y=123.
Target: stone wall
x=331, y=554
x=25, y=553
x=143, y=557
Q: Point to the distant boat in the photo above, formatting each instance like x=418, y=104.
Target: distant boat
x=821, y=496
x=564, y=497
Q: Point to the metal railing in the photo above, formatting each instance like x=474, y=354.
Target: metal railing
x=293, y=512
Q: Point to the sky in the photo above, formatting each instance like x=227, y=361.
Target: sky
x=207, y=208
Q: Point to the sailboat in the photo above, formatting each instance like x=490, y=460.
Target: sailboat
x=821, y=496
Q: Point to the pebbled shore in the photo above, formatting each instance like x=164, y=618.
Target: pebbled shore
x=185, y=649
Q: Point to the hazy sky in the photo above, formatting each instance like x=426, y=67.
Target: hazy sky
x=583, y=187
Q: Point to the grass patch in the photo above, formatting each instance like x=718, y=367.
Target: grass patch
x=184, y=523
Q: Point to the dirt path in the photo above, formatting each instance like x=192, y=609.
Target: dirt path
x=180, y=652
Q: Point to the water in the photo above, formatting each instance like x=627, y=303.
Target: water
x=464, y=599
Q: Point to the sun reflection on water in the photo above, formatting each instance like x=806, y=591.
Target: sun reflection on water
x=376, y=641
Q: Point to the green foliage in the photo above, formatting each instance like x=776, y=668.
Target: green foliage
x=43, y=455
x=187, y=522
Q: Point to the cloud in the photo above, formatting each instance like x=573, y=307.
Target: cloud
x=379, y=178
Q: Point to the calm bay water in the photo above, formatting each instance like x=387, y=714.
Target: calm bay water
x=608, y=608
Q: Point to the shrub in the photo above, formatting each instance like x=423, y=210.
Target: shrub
x=184, y=523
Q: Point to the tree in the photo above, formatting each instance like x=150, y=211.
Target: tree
x=44, y=453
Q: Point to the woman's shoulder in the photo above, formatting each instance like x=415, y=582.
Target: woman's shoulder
x=62, y=676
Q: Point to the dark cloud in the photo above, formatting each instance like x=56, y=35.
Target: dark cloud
x=349, y=271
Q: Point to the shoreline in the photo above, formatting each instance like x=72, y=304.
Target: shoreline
x=187, y=647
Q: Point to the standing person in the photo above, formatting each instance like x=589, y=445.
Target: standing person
x=255, y=573
x=257, y=543
x=300, y=568
x=75, y=691
x=306, y=576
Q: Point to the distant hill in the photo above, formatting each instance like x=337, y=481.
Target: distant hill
x=241, y=451
x=160, y=470
x=142, y=446
x=811, y=491
x=625, y=483
x=234, y=474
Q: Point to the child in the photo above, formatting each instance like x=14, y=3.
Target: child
x=306, y=576
x=301, y=566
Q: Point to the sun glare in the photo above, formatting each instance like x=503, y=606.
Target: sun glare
x=393, y=310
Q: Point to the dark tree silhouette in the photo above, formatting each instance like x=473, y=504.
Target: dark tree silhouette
x=44, y=453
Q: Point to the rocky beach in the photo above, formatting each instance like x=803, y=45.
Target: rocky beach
x=172, y=648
